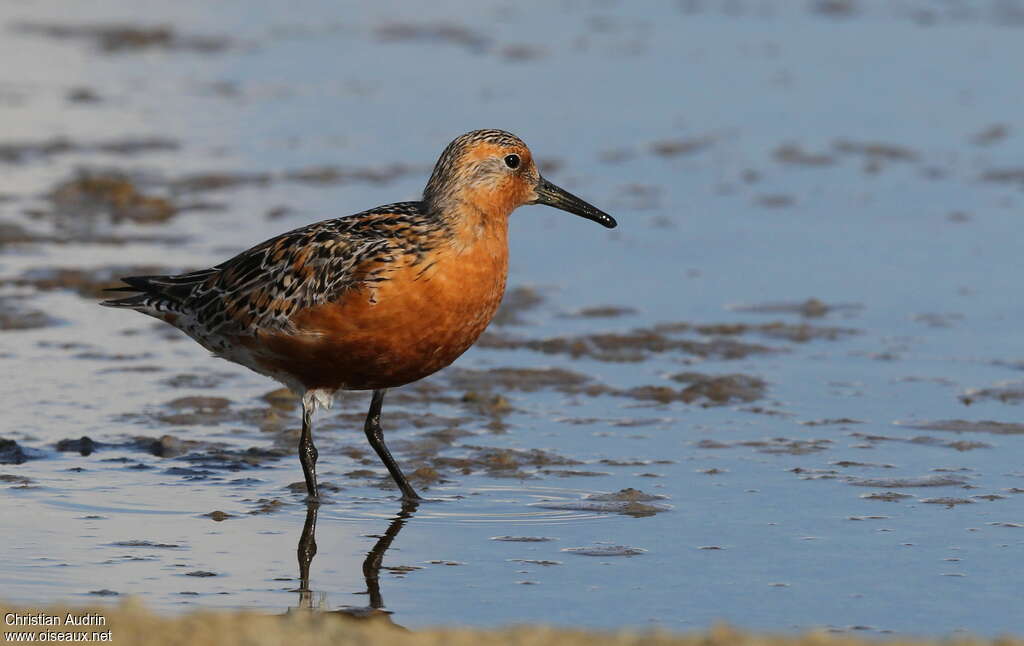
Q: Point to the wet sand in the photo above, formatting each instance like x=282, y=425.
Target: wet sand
x=132, y=623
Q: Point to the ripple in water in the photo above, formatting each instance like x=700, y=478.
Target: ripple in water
x=498, y=505
x=630, y=502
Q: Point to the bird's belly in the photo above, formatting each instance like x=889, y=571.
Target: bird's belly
x=403, y=329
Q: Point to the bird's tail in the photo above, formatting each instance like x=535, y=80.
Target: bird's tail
x=156, y=293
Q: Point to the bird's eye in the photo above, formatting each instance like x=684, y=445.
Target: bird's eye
x=512, y=161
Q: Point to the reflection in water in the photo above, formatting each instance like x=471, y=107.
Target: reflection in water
x=306, y=552
x=371, y=565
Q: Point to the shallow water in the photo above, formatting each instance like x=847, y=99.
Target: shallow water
x=825, y=201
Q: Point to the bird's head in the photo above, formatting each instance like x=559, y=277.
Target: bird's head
x=492, y=172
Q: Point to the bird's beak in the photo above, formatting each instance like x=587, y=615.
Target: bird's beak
x=548, y=193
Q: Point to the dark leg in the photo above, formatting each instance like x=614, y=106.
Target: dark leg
x=307, y=452
x=306, y=551
x=375, y=435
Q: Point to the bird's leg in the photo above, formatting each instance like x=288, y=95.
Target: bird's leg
x=307, y=451
x=375, y=435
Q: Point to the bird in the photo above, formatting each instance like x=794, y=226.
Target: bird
x=370, y=301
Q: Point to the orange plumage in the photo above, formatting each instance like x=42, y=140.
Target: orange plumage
x=371, y=301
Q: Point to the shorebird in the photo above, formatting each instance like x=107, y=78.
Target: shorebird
x=371, y=301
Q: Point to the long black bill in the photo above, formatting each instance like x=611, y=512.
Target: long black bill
x=548, y=193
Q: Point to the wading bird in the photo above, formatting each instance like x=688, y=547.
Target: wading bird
x=371, y=301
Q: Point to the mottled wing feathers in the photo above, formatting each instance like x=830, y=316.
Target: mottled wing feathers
x=261, y=289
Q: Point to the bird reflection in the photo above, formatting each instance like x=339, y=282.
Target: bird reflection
x=371, y=566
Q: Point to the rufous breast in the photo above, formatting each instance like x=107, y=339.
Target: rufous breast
x=424, y=314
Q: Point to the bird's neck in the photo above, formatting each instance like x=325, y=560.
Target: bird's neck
x=475, y=216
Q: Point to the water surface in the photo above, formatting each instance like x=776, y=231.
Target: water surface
x=783, y=393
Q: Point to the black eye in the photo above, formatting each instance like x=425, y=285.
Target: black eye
x=512, y=161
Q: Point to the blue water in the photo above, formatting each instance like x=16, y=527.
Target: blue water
x=924, y=246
